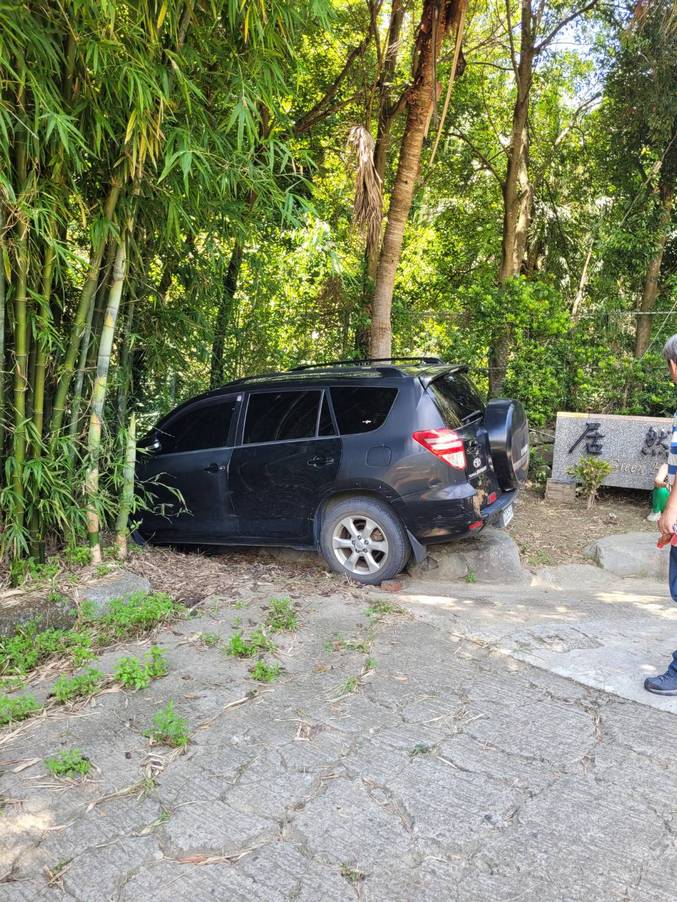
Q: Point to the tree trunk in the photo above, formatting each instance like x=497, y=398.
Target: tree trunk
x=436, y=20
x=651, y=279
x=224, y=313
x=517, y=195
x=127, y=495
x=99, y=397
x=79, y=323
x=20, y=347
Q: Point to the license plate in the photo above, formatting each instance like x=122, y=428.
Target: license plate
x=506, y=516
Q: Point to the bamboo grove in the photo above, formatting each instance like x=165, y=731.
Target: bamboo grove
x=179, y=205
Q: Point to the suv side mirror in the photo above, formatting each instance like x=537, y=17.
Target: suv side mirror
x=155, y=445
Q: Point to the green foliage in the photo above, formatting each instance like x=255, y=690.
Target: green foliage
x=140, y=613
x=132, y=673
x=30, y=646
x=240, y=647
x=168, y=728
x=17, y=708
x=77, y=555
x=70, y=763
x=68, y=688
x=210, y=640
x=590, y=472
x=28, y=569
x=265, y=673
x=282, y=616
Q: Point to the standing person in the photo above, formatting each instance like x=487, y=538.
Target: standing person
x=666, y=683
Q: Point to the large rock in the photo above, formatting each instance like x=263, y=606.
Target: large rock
x=631, y=554
x=491, y=557
x=52, y=611
x=120, y=584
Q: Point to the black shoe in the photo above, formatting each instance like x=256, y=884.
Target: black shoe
x=665, y=684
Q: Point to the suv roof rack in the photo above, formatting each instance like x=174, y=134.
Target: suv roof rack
x=366, y=360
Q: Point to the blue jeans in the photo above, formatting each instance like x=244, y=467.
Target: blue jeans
x=672, y=580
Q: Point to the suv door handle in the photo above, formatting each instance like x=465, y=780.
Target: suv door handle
x=213, y=468
x=318, y=462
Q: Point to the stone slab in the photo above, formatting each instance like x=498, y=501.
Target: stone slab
x=101, y=592
x=491, y=557
x=631, y=554
x=20, y=608
x=634, y=446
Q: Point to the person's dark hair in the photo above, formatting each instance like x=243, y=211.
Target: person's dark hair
x=670, y=349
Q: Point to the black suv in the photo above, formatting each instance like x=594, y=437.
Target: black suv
x=368, y=460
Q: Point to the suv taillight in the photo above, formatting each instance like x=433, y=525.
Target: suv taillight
x=443, y=443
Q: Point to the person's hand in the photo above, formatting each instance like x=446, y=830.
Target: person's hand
x=667, y=521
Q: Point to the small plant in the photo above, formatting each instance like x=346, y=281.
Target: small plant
x=71, y=763
x=77, y=555
x=30, y=646
x=168, y=728
x=282, y=616
x=350, y=685
x=239, y=647
x=369, y=665
x=210, y=640
x=68, y=688
x=132, y=673
x=265, y=673
x=590, y=472
x=420, y=749
x=23, y=569
x=380, y=608
x=471, y=576
x=352, y=875
x=19, y=708
x=104, y=569
x=140, y=613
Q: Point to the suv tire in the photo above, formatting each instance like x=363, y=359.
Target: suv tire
x=364, y=539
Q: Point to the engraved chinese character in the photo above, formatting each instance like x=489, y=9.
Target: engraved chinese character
x=655, y=441
x=593, y=439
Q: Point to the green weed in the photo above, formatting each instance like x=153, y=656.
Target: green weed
x=369, y=665
x=30, y=646
x=104, y=569
x=71, y=763
x=28, y=569
x=19, y=708
x=350, y=685
x=265, y=673
x=282, y=616
x=380, y=608
x=420, y=749
x=132, y=673
x=239, y=647
x=140, y=613
x=210, y=640
x=352, y=875
x=77, y=555
x=68, y=688
x=471, y=576
x=168, y=728
x=340, y=643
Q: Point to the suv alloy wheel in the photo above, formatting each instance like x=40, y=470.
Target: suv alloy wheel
x=364, y=539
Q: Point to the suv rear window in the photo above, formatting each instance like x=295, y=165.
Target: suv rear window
x=457, y=399
x=281, y=416
x=361, y=409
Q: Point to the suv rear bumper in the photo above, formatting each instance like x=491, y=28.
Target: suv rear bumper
x=439, y=516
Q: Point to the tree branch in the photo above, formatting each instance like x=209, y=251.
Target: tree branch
x=513, y=55
x=488, y=165
x=574, y=15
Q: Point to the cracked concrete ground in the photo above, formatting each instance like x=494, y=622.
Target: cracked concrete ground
x=432, y=761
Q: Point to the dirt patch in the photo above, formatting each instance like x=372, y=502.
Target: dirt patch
x=549, y=532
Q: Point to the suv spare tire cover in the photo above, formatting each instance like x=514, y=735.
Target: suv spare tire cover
x=508, y=431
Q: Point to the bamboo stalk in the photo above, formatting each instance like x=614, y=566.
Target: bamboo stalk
x=88, y=291
x=3, y=297
x=20, y=343
x=99, y=397
x=127, y=495
x=125, y=361
x=79, y=382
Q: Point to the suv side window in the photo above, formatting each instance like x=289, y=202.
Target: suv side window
x=360, y=409
x=198, y=428
x=457, y=399
x=281, y=416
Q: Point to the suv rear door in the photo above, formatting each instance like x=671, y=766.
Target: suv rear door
x=286, y=462
x=462, y=410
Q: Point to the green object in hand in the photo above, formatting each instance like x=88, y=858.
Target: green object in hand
x=659, y=499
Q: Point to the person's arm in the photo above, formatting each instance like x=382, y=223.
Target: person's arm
x=669, y=516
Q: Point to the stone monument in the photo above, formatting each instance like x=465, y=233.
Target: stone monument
x=634, y=447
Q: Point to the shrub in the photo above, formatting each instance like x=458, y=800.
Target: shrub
x=590, y=472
